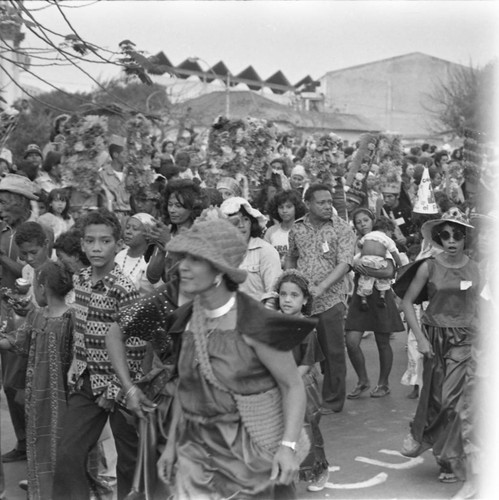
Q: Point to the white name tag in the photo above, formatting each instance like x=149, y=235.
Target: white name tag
x=466, y=284
x=325, y=247
x=400, y=221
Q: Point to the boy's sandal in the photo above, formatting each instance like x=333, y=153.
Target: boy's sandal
x=359, y=389
x=380, y=391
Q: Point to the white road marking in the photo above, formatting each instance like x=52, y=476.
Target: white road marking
x=408, y=464
x=378, y=479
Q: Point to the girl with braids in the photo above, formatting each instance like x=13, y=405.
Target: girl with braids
x=46, y=339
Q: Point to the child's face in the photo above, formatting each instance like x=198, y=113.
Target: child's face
x=42, y=208
x=58, y=206
x=363, y=223
x=291, y=298
x=286, y=211
x=33, y=254
x=100, y=246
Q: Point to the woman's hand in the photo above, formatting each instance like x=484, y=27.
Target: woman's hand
x=284, y=466
x=139, y=404
x=166, y=462
x=424, y=347
x=160, y=235
x=360, y=268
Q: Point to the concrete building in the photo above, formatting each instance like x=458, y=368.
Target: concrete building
x=393, y=92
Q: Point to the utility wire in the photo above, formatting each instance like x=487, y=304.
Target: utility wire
x=31, y=95
x=48, y=41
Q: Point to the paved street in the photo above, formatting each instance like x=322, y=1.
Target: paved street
x=367, y=432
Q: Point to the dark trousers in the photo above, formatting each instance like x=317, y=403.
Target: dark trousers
x=331, y=336
x=82, y=427
x=14, y=381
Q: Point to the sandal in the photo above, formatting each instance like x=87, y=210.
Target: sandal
x=359, y=389
x=447, y=477
x=380, y=391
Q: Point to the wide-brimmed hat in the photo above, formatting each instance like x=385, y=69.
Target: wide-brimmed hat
x=453, y=215
x=19, y=184
x=232, y=206
x=218, y=242
x=33, y=148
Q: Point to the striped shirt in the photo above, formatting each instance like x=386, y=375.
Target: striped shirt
x=97, y=306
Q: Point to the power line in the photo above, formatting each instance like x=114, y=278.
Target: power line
x=49, y=42
x=31, y=95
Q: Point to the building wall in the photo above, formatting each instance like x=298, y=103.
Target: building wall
x=392, y=92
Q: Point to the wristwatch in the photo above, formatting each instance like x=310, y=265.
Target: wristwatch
x=289, y=444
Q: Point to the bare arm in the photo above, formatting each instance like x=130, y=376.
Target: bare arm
x=410, y=296
x=396, y=258
x=156, y=265
x=332, y=278
x=13, y=266
x=137, y=402
x=283, y=368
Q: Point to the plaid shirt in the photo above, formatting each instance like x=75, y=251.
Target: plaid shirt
x=97, y=306
x=318, y=251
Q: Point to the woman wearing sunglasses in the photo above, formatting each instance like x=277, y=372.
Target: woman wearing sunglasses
x=444, y=337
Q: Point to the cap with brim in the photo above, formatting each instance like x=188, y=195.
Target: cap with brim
x=18, y=184
x=453, y=215
x=216, y=241
x=33, y=148
x=233, y=205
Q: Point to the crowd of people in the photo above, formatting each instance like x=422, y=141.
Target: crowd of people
x=222, y=313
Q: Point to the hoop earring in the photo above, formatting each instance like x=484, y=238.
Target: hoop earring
x=218, y=280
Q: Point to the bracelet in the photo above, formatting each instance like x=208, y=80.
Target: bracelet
x=133, y=389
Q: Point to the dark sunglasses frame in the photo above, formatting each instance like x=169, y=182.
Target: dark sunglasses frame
x=457, y=234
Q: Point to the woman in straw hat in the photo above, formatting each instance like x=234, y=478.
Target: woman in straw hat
x=448, y=326
x=232, y=440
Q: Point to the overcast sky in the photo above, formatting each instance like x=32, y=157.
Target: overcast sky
x=297, y=37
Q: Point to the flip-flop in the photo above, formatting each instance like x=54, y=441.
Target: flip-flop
x=359, y=389
x=447, y=477
x=380, y=391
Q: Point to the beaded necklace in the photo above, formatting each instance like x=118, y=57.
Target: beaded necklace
x=134, y=267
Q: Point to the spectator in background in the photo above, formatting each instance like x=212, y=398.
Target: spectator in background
x=33, y=156
x=321, y=246
x=261, y=260
x=113, y=177
x=15, y=194
x=50, y=176
x=228, y=187
x=284, y=209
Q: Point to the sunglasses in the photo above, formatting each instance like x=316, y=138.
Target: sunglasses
x=446, y=235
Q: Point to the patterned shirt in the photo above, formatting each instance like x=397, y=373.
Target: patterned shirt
x=96, y=307
x=318, y=250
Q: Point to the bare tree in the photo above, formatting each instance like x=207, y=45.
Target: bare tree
x=466, y=100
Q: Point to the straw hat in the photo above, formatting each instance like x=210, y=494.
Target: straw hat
x=453, y=215
x=19, y=184
x=218, y=242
